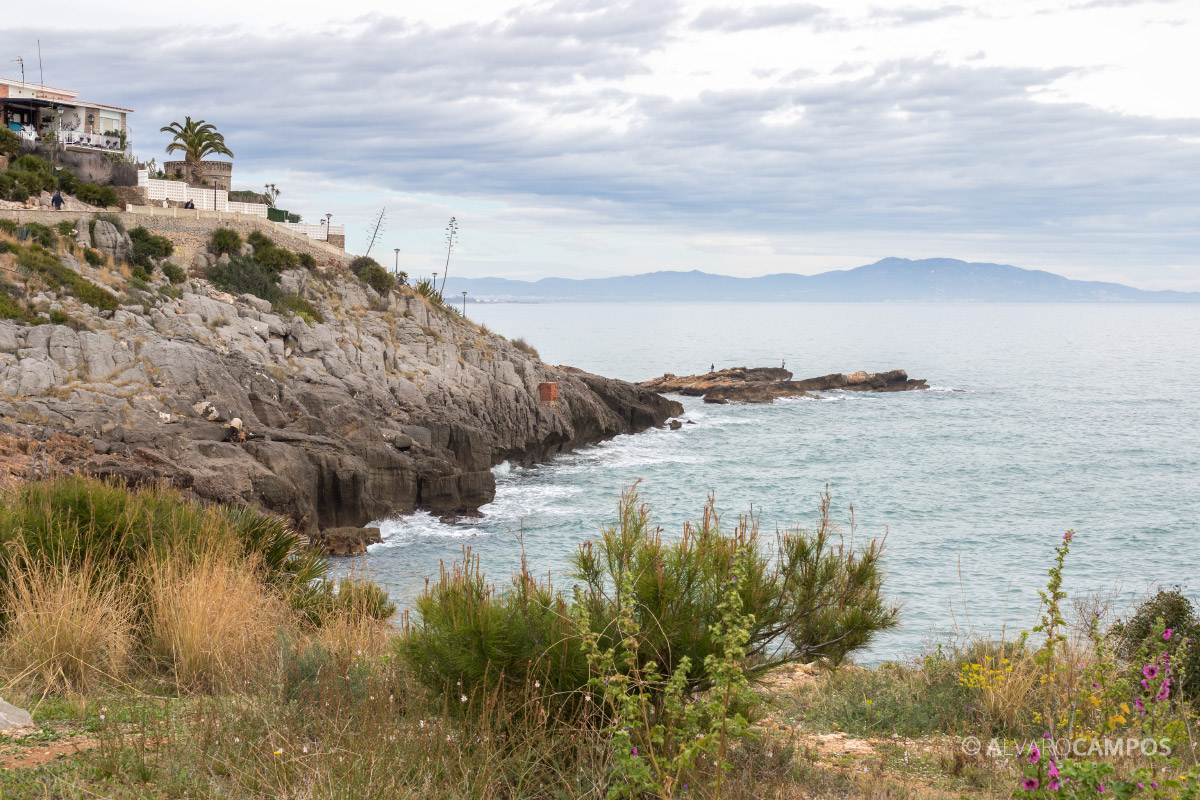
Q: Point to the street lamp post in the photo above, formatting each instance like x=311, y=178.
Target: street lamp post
x=464, y=304
x=327, y=218
x=397, y=269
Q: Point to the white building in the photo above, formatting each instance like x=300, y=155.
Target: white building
x=35, y=111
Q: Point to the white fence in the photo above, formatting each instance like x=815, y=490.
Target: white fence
x=319, y=232
x=204, y=199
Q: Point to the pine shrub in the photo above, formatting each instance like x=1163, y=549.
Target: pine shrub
x=812, y=598
x=225, y=241
x=377, y=278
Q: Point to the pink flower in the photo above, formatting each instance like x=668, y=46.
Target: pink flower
x=1165, y=692
x=1068, y=536
x=1166, y=634
x=1150, y=671
x=1053, y=785
x=1139, y=705
x=1100, y=787
x=1035, y=755
x=635, y=751
x=1029, y=784
x=1053, y=771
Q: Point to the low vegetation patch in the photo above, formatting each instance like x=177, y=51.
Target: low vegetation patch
x=38, y=261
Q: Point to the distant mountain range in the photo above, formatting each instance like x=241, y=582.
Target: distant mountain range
x=892, y=279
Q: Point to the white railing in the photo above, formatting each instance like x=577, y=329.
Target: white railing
x=319, y=232
x=97, y=141
x=204, y=199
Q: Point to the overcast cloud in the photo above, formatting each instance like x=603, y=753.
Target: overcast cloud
x=586, y=138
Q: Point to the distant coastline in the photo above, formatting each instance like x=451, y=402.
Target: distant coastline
x=889, y=280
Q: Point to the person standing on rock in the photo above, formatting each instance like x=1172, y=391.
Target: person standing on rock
x=712, y=367
x=57, y=201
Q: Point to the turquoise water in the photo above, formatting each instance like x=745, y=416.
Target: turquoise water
x=1041, y=418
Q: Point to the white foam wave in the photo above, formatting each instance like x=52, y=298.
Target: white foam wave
x=420, y=526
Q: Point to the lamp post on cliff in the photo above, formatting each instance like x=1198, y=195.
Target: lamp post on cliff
x=327, y=218
x=396, y=270
x=464, y=304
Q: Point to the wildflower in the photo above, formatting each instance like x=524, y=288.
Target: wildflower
x=1068, y=536
x=635, y=751
x=1166, y=634
x=1035, y=755
x=1139, y=705
x=1052, y=773
x=1053, y=785
x=1150, y=671
x=304, y=749
x=1165, y=692
x=463, y=698
x=1029, y=784
x=537, y=684
x=278, y=752
x=1100, y=788
x=236, y=740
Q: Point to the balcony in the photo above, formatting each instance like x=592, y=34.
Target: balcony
x=91, y=141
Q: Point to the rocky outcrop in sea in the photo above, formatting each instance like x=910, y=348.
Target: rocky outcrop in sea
x=765, y=384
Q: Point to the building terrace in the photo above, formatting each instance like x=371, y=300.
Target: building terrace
x=36, y=112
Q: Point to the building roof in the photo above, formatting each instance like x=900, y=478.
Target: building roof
x=90, y=104
x=32, y=85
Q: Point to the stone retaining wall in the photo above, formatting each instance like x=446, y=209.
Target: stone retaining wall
x=190, y=229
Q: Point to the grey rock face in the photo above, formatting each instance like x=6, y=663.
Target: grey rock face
x=371, y=413
x=110, y=241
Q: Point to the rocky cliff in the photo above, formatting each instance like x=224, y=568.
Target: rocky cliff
x=391, y=404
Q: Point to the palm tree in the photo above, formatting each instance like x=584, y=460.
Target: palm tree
x=196, y=140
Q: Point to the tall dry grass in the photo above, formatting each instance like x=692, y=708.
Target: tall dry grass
x=211, y=624
x=69, y=627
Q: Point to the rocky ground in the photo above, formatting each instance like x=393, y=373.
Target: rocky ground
x=765, y=384
x=389, y=405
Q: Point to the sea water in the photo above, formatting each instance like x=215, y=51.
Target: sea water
x=1039, y=418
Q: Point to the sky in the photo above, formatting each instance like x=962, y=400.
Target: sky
x=578, y=138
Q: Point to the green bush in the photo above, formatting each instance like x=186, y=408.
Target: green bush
x=225, y=241
x=1177, y=613
x=275, y=258
x=11, y=306
x=813, y=597
x=148, y=247
x=10, y=143
x=258, y=239
x=59, y=317
x=174, y=272
x=93, y=257
x=47, y=266
x=65, y=227
x=87, y=292
x=7, y=225
x=362, y=262
x=306, y=260
x=95, y=195
x=42, y=234
x=242, y=274
x=295, y=304
x=377, y=278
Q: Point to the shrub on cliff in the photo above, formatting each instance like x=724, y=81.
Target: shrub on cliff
x=225, y=241
x=1177, y=613
x=149, y=247
x=526, y=348
x=46, y=265
x=243, y=274
x=174, y=272
x=812, y=597
x=295, y=304
x=358, y=264
x=92, y=194
x=10, y=143
x=377, y=278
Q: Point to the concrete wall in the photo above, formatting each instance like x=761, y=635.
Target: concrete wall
x=190, y=229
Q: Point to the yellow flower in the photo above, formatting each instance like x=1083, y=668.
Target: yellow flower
x=278, y=752
x=1094, y=701
x=1115, y=720
x=1124, y=708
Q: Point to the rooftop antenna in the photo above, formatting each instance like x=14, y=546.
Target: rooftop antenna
x=21, y=61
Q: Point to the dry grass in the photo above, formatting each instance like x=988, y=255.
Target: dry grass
x=211, y=624
x=67, y=630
